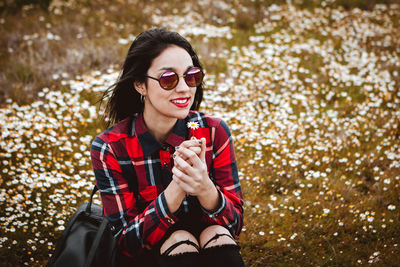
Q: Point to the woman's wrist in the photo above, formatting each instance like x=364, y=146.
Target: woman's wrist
x=174, y=196
x=210, y=199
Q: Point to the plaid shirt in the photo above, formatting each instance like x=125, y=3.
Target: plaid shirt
x=132, y=170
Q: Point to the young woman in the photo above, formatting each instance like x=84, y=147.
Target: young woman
x=167, y=173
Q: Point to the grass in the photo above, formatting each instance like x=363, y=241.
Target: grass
x=312, y=102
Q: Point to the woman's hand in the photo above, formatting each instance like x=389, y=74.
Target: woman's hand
x=190, y=168
x=190, y=173
x=192, y=144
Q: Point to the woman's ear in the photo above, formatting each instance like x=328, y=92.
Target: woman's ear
x=140, y=88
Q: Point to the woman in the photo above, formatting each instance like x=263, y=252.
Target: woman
x=167, y=173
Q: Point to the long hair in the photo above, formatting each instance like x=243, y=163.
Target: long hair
x=125, y=100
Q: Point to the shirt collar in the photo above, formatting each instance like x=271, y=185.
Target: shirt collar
x=149, y=144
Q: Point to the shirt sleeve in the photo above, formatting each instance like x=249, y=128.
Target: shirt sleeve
x=134, y=230
x=230, y=211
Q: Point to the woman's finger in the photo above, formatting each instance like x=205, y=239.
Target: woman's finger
x=182, y=162
x=196, y=150
x=185, y=187
x=182, y=176
x=190, y=156
x=190, y=143
x=202, y=154
x=193, y=145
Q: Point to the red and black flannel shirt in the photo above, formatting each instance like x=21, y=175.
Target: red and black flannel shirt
x=132, y=170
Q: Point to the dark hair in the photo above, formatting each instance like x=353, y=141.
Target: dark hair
x=125, y=100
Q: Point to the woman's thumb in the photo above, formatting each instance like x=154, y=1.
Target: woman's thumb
x=203, y=150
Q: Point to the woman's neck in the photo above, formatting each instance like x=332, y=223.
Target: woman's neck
x=159, y=127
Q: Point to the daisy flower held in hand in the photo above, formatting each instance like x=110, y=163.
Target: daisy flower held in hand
x=193, y=125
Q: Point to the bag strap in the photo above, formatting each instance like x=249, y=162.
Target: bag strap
x=89, y=206
x=212, y=171
x=96, y=243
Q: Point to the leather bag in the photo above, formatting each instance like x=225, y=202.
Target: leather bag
x=87, y=240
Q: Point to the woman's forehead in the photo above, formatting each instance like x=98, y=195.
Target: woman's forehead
x=172, y=58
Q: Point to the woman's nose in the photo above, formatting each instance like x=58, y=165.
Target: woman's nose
x=182, y=86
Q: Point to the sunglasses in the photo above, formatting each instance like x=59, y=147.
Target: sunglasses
x=170, y=79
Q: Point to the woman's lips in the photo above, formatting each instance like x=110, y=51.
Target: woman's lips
x=181, y=102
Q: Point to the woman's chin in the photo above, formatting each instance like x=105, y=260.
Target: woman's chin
x=182, y=114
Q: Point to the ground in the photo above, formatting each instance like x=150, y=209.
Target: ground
x=310, y=92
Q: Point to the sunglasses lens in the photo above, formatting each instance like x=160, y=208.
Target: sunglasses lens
x=169, y=80
x=194, y=77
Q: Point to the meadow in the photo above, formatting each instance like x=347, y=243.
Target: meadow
x=310, y=90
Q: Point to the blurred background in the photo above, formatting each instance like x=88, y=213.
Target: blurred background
x=309, y=88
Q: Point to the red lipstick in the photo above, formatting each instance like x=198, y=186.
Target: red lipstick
x=181, y=102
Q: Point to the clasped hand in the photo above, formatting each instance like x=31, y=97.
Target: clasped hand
x=190, y=168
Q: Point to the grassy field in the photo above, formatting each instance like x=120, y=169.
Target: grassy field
x=310, y=90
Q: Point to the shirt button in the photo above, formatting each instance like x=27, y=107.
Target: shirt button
x=165, y=164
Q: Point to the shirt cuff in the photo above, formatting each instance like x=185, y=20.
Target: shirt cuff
x=218, y=211
x=163, y=212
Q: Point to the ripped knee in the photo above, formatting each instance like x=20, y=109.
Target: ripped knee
x=179, y=242
x=216, y=235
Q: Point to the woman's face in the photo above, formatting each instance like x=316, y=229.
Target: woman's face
x=175, y=103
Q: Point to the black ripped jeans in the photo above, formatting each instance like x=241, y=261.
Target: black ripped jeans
x=225, y=255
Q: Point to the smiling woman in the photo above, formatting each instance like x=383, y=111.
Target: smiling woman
x=125, y=96
x=167, y=173
x=163, y=107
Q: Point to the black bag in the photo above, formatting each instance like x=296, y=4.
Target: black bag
x=87, y=240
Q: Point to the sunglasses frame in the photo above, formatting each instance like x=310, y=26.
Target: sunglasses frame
x=176, y=74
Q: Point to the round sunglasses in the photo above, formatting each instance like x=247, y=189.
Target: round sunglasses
x=170, y=79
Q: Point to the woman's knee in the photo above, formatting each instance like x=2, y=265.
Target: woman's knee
x=177, y=237
x=216, y=235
